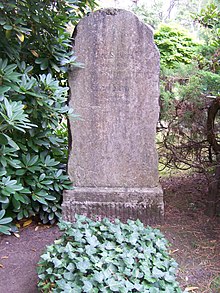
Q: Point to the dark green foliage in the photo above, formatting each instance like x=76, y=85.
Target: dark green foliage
x=4, y=228
x=188, y=88
x=186, y=93
x=35, y=31
x=209, y=16
x=175, y=45
x=107, y=257
x=209, y=20
x=34, y=58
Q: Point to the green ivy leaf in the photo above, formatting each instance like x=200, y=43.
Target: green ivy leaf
x=57, y=262
x=92, y=240
x=156, y=273
x=97, y=269
x=69, y=276
x=98, y=277
x=83, y=265
x=114, y=285
x=87, y=287
x=109, y=245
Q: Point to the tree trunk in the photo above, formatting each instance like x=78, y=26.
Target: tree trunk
x=214, y=186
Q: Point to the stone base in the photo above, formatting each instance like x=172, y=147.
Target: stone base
x=145, y=204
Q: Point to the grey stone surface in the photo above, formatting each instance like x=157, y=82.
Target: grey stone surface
x=145, y=204
x=112, y=157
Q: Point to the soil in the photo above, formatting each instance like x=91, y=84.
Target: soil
x=194, y=238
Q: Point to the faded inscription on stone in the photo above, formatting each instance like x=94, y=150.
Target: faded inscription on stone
x=113, y=160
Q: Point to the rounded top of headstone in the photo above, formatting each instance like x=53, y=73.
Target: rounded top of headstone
x=110, y=19
x=110, y=11
x=125, y=14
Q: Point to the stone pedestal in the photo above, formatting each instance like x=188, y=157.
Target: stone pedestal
x=145, y=204
x=113, y=160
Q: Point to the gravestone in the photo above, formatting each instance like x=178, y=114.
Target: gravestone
x=113, y=160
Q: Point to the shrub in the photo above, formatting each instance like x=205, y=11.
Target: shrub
x=107, y=257
x=31, y=178
x=35, y=56
x=175, y=45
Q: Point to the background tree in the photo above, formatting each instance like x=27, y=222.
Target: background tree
x=158, y=11
x=209, y=18
x=150, y=13
x=185, y=10
x=189, y=95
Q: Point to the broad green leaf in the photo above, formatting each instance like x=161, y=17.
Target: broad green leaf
x=57, y=262
x=2, y=213
x=69, y=276
x=156, y=273
x=83, y=266
x=21, y=172
x=13, y=144
x=44, y=64
x=129, y=285
x=7, y=27
x=4, y=199
x=2, y=172
x=42, y=176
x=169, y=278
x=98, y=277
x=41, y=200
x=16, y=203
x=92, y=240
x=137, y=274
x=154, y=290
x=15, y=163
x=47, y=182
x=71, y=267
x=5, y=230
x=51, y=216
x=133, y=238
x=2, y=21
x=4, y=221
x=87, y=287
x=33, y=160
x=114, y=285
x=3, y=139
x=20, y=215
x=109, y=245
x=46, y=256
x=4, y=89
x=50, y=197
x=41, y=193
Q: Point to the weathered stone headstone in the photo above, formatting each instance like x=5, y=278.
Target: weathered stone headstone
x=113, y=161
